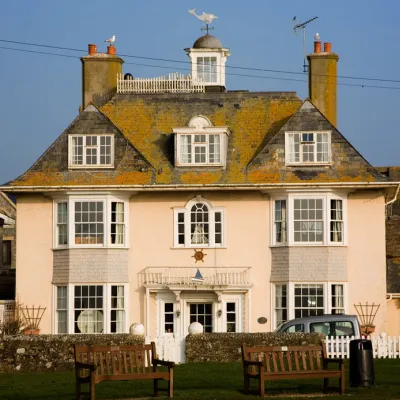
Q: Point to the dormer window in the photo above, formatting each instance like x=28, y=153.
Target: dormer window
x=200, y=144
x=307, y=147
x=91, y=151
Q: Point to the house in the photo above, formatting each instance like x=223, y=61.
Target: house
x=7, y=250
x=173, y=200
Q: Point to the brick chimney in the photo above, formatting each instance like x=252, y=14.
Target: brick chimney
x=99, y=75
x=322, y=80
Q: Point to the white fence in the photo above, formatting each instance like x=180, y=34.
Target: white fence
x=169, y=347
x=382, y=346
x=172, y=83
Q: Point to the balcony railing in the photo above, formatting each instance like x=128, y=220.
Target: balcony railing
x=186, y=276
x=172, y=83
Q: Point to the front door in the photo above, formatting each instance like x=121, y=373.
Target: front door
x=202, y=312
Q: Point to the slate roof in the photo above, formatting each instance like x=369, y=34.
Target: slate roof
x=144, y=146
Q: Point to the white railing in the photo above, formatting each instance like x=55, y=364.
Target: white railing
x=382, y=346
x=172, y=83
x=232, y=276
x=169, y=348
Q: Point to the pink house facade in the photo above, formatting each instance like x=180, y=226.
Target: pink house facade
x=165, y=204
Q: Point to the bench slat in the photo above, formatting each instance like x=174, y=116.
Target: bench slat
x=311, y=357
x=281, y=362
x=303, y=358
x=289, y=360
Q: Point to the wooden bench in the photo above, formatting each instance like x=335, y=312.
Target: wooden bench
x=289, y=362
x=94, y=364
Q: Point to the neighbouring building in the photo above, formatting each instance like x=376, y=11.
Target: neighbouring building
x=7, y=250
x=175, y=200
x=393, y=254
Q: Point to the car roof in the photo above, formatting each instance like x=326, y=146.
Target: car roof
x=324, y=317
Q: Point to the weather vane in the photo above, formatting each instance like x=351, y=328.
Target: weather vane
x=206, y=18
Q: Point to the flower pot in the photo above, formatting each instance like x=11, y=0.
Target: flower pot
x=31, y=331
x=367, y=329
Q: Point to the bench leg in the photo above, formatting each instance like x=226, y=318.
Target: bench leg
x=326, y=385
x=261, y=387
x=92, y=390
x=246, y=383
x=155, y=385
x=78, y=390
x=171, y=383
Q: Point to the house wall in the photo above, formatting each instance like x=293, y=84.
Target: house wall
x=247, y=229
x=35, y=255
x=366, y=253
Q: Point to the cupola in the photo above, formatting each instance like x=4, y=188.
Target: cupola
x=208, y=58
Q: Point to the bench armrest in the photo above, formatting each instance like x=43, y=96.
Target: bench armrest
x=334, y=360
x=253, y=362
x=81, y=365
x=169, y=364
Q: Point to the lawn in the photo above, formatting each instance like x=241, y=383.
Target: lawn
x=195, y=381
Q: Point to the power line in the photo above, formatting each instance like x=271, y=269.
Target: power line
x=188, y=62
x=185, y=69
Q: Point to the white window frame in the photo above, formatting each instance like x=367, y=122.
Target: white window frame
x=326, y=198
x=107, y=201
x=327, y=288
x=200, y=125
x=106, y=306
x=187, y=225
x=288, y=152
x=98, y=165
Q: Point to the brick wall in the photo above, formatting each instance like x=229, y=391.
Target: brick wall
x=225, y=347
x=51, y=352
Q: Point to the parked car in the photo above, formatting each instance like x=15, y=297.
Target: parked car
x=327, y=324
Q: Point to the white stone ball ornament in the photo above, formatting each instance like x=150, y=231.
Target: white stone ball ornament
x=136, y=329
x=195, y=328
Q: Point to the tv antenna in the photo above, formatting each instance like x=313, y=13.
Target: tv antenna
x=303, y=26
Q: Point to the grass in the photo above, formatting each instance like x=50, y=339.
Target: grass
x=197, y=381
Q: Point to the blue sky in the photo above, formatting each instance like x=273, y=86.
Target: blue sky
x=41, y=94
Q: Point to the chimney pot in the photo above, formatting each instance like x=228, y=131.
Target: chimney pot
x=111, y=50
x=92, y=49
x=327, y=47
x=317, y=46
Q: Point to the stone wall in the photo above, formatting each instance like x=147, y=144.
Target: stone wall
x=225, y=347
x=51, y=352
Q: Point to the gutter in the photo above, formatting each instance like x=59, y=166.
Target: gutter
x=391, y=296
x=231, y=186
x=395, y=196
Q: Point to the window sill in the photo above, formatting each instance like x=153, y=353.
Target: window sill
x=199, y=247
x=91, y=166
x=201, y=166
x=90, y=247
x=308, y=245
x=316, y=164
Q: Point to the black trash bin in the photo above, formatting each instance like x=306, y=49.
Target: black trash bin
x=362, y=371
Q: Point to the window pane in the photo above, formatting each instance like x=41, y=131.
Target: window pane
x=117, y=223
x=309, y=300
x=89, y=232
x=88, y=319
x=199, y=226
x=308, y=220
x=336, y=223
x=280, y=304
x=280, y=221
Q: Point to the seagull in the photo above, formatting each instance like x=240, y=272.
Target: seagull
x=317, y=37
x=111, y=40
x=206, y=18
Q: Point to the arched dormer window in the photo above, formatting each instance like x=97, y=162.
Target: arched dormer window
x=199, y=224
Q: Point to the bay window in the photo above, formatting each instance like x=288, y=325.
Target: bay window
x=90, y=308
x=307, y=147
x=98, y=221
x=91, y=151
x=312, y=219
x=300, y=299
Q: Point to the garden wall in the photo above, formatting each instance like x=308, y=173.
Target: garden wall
x=225, y=347
x=51, y=352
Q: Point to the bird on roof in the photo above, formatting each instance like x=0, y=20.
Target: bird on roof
x=111, y=39
x=206, y=18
